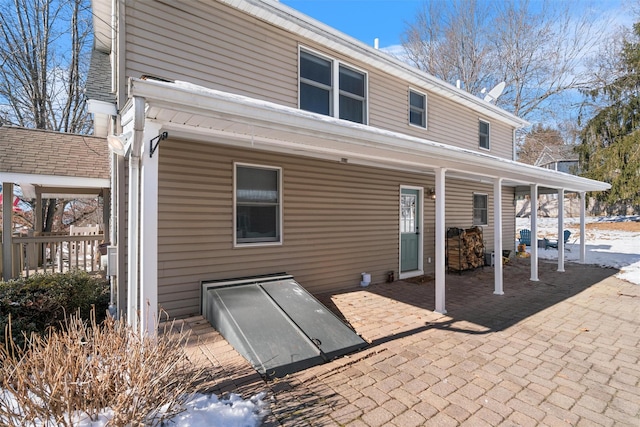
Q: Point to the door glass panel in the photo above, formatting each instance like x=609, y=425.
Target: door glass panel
x=408, y=213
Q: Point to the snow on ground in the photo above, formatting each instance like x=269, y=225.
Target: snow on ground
x=608, y=248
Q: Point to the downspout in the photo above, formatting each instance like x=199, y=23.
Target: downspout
x=133, y=240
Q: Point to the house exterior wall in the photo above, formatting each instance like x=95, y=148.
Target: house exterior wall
x=339, y=220
x=213, y=45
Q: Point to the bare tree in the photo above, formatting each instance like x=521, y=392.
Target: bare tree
x=538, y=51
x=535, y=142
x=44, y=54
x=450, y=41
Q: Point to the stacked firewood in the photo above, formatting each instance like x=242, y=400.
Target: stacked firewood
x=465, y=249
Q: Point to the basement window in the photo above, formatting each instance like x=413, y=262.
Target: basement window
x=257, y=204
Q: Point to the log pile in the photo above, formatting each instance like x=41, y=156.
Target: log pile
x=465, y=248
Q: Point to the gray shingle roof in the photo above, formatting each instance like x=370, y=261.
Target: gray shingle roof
x=98, y=85
x=41, y=152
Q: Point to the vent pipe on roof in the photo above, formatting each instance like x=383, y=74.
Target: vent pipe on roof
x=376, y=43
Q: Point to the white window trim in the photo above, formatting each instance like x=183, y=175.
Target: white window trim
x=236, y=244
x=335, y=82
x=473, y=208
x=488, y=135
x=426, y=109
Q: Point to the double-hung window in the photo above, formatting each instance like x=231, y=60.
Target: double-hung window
x=417, y=109
x=331, y=88
x=480, y=209
x=483, y=134
x=258, y=204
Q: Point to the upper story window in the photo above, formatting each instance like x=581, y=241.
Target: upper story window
x=417, y=109
x=480, y=209
x=483, y=135
x=331, y=88
x=258, y=206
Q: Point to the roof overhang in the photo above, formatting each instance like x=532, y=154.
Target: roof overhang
x=193, y=112
x=53, y=186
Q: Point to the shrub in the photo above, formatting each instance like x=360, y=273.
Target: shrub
x=89, y=370
x=42, y=301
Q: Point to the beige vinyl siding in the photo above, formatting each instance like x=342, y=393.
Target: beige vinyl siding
x=508, y=219
x=216, y=46
x=339, y=220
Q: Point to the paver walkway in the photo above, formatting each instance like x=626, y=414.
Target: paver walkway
x=558, y=352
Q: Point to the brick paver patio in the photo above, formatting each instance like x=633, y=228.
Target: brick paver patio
x=561, y=351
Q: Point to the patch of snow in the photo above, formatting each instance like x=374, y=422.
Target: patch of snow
x=201, y=410
x=607, y=248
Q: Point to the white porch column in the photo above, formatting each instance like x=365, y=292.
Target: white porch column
x=534, y=232
x=583, y=235
x=561, y=230
x=7, y=211
x=133, y=242
x=497, y=236
x=149, y=232
x=440, y=241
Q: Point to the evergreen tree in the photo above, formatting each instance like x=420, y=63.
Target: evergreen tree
x=610, y=141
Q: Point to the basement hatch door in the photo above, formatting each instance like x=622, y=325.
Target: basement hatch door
x=277, y=325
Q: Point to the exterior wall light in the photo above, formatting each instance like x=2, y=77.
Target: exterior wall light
x=118, y=143
x=431, y=193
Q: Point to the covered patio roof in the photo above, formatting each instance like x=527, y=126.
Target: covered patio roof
x=185, y=110
x=194, y=112
x=53, y=164
x=47, y=164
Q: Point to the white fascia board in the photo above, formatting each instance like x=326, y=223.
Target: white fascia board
x=289, y=19
x=355, y=139
x=101, y=107
x=54, y=180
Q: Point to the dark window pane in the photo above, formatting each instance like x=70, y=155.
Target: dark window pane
x=351, y=109
x=257, y=185
x=315, y=68
x=416, y=118
x=314, y=99
x=257, y=223
x=351, y=81
x=417, y=100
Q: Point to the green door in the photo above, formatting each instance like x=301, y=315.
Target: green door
x=409, y=230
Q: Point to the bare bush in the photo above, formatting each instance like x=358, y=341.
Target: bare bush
x=85, y=369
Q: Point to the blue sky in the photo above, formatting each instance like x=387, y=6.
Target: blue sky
x=363, y=19
x=386, y=19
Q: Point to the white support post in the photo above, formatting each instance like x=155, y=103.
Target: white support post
x=534, y=232
x=132, y=243
x=149, y=232
x=561, y=230
x=440, y=241
x=133, y=235
x=497, y=236
x=583, y=231
x=7, y=219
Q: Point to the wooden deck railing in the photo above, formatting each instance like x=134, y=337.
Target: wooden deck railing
x=58, y=253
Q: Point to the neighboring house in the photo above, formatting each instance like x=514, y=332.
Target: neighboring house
x=256, y=140
x=562, y=158
x=47, y=164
